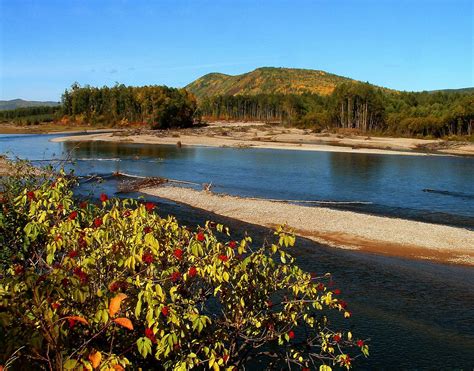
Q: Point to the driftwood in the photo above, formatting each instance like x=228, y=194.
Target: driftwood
x=135, y=185
x=145, y=182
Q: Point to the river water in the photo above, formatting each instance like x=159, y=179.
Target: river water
x=419, y=315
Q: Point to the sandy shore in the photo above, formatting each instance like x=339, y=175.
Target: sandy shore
x=257, y=135
x=344, y=229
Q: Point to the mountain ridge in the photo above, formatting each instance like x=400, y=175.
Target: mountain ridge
x=279, y=80
x=268, y=80
x=21, y=103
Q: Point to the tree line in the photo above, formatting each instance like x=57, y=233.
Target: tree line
x=160, y=107
x=30, y=115
x=359, y=106
x=354, y=106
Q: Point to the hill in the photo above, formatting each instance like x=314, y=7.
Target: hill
x=20, y=103
x=267, y=80
x=461, y=91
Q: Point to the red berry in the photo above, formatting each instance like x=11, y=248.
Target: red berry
x=342, y=303
x=149, y=206
x=225, y=358
x=55, y=305
x=31, y=195
x=126, y=213
x=337, y=292
x=98, y=222
x=72, y=322
x=150, y=335
x=175, y=276
x=81, y=274
x=103, y=197
x=223, y=258
x=360, y=343
x=73, y=215
x=83, y=204
x=60, y=207
x=178, y=253
x=72, y=254
x=147, y=258
x=291, y=334
x=146, y=230
x=192, y=271
x=200, y=236
x=232, y=244
x=337, y=338
x=165, y=311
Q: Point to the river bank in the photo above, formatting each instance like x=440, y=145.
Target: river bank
x=258, y=135
x=52, y=128
x=343, y=229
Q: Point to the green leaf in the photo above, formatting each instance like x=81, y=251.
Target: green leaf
x=70, y=364
x=144, y=346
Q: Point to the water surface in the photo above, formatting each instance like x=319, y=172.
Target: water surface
x=393, y=185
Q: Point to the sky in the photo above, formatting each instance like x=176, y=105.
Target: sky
x=46, y=45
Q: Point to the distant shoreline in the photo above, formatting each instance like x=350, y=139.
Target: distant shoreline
x=258, y=135
x=343, y=229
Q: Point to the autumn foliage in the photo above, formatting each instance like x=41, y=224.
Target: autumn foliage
x=113, y=285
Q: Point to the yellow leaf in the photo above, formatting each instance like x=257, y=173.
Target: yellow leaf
x=95, y=358
x=114, y=305
x=118, y=367
x=125, y=322
x=78, y=319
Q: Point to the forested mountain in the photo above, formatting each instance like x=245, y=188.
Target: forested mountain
x=461, y=90
x=267, y=80
x=20, y=103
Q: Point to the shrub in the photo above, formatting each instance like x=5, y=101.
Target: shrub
x=113, y=284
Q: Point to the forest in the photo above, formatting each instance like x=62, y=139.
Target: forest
x=160, y=107
x=361, y=107
x=358, y=106
x=31, y=115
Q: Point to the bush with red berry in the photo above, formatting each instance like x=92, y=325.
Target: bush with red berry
x=113, y=285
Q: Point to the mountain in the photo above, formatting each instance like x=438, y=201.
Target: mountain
x=461, y=91
x=20, y=103
x=267, y=80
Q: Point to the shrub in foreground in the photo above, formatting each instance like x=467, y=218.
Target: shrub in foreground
x=114, y=285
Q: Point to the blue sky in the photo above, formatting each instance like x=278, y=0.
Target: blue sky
x=46, y=45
